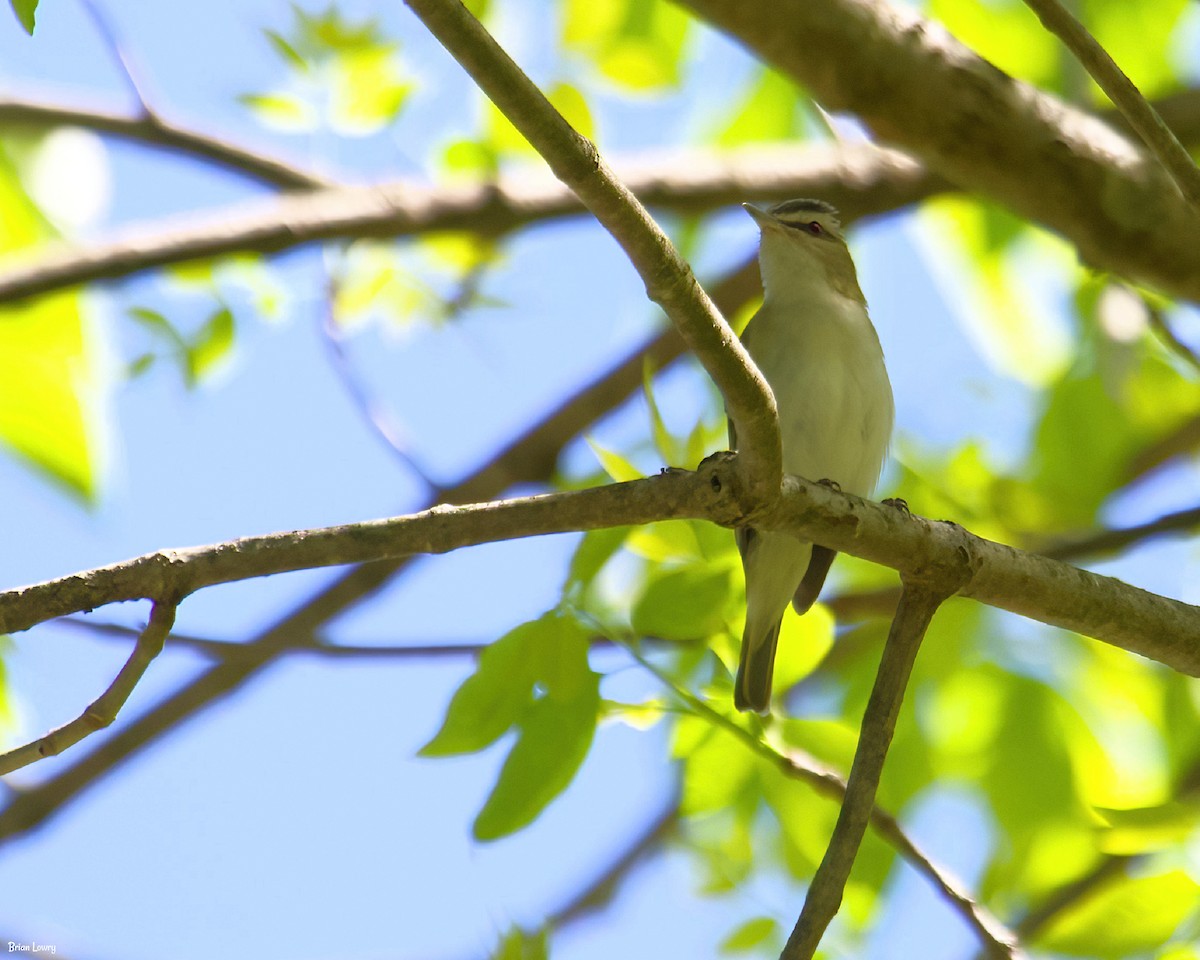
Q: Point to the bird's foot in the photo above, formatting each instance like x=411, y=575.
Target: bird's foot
x=899, y=503
x=831, y=484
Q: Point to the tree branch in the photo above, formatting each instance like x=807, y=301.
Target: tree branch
x=1038, y=587
x=997, y=939
x=102, y=711
x=668, y=279
x=153, y=130
x=861, y=180
x=530, y=458
x=921, y=90
x=1142, y=117
x=918, y=604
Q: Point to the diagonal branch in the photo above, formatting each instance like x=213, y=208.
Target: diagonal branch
x=921, y=90
x=669, y=280
x=103, y=711
x=1121, y=91
x=918, y=604
x=997, y=939
x=153, y=130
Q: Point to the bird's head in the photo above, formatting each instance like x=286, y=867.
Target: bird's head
x=802, y=249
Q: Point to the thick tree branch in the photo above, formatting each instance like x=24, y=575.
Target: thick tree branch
x=919, y=89
x=1038, y=587
x=1120, y=89
x=860, y=179
x=178, y=573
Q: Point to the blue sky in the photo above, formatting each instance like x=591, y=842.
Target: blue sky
x=293, y=820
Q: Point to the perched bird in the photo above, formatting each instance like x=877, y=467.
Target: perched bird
x=813, y=341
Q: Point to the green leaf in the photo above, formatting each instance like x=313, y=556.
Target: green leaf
x=281, y=111
x=519, y=945
x=1134, y=831
x=492, y=699
x=211, y=344
x=664, y=442
x=637, y=44
x=687, y=603
x=751, y=935
x=290, y=54
x=50, y=381
x=25, y=9
x=615, y=465
x=595, y=549
x=369, y=90
x=536, y=680
x=158, y=325
x=768, y=112
x=553, y=739
x=1123, y=918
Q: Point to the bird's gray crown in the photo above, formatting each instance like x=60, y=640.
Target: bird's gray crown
x=790, y=208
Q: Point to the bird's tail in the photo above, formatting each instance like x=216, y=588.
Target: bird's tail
x=752, y=689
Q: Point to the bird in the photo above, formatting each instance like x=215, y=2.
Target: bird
x=817, y=348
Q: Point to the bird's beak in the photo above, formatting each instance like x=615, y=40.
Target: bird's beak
x=761, y=217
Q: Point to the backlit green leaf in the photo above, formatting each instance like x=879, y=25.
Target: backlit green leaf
x=751, y=935
x=688, y=603
x=1122, y=918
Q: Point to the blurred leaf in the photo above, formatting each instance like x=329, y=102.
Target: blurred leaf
x=25, y=9
x=519, y=945
x=1125, y=917
x=768, y=112
x=803, y=643
x=715, y=773
x=751, y=935
x=50, y=383
x=281, y=46
x=615, y=465
x=595, y=549
x=369, y=90
x=281, y=110
x=158, y=326
x=1134, y=831
x=664, y=441
x=976, y=249
x=687, y=603
x=1004, y=32
x=212, y=344
x=637, y=44
x=666, y=541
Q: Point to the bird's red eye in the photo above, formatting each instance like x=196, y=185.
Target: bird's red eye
x=814, y=227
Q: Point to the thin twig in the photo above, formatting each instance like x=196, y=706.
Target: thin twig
x=918, y=603
x=101, y=712
x=383, y=426
x=1122, y=92
x=153, y=130
x=669, y=280
x=1158, y=323
x=998, y=940
x=108, y=34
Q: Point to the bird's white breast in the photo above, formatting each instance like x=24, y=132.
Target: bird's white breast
x=823, y=360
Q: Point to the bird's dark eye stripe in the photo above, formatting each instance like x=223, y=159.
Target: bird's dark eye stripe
x=807, y=226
